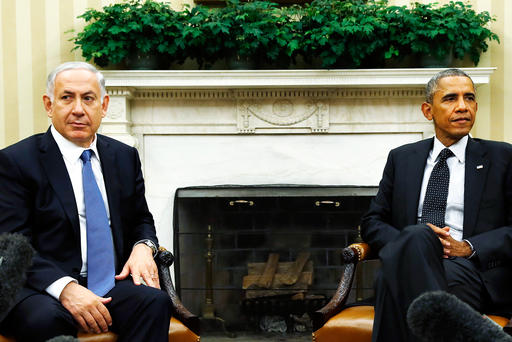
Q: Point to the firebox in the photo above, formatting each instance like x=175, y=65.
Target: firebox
x=252, y=258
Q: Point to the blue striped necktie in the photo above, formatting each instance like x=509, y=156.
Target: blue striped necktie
x=100, y=249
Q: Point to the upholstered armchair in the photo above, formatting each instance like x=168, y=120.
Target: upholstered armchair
x=334, y=322
x=184, y=326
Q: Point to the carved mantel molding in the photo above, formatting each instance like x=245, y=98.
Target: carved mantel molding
x=267, y=101
x=234, y=79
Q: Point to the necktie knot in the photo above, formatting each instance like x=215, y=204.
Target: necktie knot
x=86, y=155
x=445, y=154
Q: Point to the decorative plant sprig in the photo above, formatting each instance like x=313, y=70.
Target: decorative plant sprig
x=436, y=30
x=118, y=30
x=336, y=33
x=344, y=33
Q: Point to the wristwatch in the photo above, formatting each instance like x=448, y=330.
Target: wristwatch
x=473, y=252
x=150, y=244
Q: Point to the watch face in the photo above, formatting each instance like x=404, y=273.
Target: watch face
x=151, y=245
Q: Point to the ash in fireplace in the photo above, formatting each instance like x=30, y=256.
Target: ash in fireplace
x=279, y=324
x=301, y=323
x=273, y=324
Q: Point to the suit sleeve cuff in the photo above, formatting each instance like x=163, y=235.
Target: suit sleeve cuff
x=55, y=288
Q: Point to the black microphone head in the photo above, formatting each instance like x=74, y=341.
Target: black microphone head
x=439, y=316
x=15, y=258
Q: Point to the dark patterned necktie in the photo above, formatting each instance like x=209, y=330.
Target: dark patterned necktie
x=100, y=249
x=434, y=204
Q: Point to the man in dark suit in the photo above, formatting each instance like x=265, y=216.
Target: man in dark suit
x=79, y=197
x=458, y=239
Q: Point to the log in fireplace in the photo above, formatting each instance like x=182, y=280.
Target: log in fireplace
x=223, y=235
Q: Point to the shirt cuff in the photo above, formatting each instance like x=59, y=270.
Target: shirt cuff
x=473, y=252
x=55, y=288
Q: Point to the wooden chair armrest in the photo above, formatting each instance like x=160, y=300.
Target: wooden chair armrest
x=164, y=260
x=362, y=250
x=349, y=257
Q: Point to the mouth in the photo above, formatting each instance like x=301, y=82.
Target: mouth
x=461, y=120
x=78, y=124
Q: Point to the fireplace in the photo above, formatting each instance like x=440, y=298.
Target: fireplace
x=327, y=130
x=240, y=226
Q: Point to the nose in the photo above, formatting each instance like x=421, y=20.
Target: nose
x=462, y=106
x=77, y=108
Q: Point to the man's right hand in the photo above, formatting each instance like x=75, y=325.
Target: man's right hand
x=87, y=308
x=443, y=234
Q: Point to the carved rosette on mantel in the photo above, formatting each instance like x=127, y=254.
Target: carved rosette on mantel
x=117, y=123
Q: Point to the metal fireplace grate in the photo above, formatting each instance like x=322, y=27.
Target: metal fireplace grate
x=219, y=232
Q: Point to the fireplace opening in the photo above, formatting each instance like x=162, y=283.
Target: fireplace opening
x=260, y=259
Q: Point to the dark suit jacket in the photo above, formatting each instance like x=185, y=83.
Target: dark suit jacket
x=37, y=200
x=487, y=206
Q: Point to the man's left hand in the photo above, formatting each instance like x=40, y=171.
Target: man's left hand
x=457, y=248
x=140, y=265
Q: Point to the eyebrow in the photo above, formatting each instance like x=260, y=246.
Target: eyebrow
x=89, y=92
x=456, y=94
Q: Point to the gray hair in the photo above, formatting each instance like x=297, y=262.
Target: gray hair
x=50, y=82
x=431, y=87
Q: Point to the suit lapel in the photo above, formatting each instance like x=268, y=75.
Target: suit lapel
x=55, y=168
x=414, y=178
x=110, y=176
x=477, y=167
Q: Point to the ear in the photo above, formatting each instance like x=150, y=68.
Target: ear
x=104, y=106
x=426, y=108
x=47, y=105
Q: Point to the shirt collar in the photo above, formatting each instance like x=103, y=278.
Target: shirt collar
x=70, y=151
x=458, y=149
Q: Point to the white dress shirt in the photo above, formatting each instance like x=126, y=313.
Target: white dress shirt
x=454, y=215
x=71, y=154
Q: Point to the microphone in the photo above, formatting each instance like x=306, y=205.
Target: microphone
x=15, y=258
x=439, y=316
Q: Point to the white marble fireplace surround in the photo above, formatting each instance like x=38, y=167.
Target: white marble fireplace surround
x=315, y=127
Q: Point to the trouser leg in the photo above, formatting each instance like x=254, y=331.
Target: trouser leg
x=465, y=282
x=38, y=317
x=139, y=313
x=411, y=265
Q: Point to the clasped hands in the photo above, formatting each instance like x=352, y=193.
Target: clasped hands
x=89, y=310
x=451, y=247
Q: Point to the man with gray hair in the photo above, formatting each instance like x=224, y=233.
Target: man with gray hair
x=442, y=218
x=79, y=197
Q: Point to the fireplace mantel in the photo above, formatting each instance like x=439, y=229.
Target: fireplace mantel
x=303, y=79
x=316, y=127
x=263, y=101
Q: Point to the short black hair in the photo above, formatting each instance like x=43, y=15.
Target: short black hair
x=431, y=87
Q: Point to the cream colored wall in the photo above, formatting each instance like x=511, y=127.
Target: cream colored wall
x=33, y=41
